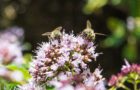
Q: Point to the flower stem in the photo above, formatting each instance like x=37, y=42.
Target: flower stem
x=125, y=87
x=135, y=86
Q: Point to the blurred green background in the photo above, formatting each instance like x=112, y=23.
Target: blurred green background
x=118, y=19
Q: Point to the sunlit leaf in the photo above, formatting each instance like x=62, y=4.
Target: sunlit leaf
x=93, y=5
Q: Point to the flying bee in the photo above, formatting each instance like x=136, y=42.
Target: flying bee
x=54, y=34
x=89, y=32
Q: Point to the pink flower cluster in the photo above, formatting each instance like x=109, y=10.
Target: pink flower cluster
x=126, y=72
x=11, y=53
x=31, y=86
x=63, y=63
x=10, y=48
x=84, y=81
x=68, y=54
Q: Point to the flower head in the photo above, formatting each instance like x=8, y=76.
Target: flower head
x=13, y=34
x=31, y=86
x=68, y=54
x=10, y=48
x=130, y=73
x=84, y=81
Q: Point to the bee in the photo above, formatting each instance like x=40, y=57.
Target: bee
x=54, y=34
x=89, y=32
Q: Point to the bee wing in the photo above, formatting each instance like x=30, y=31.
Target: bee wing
x=58, y=28
x=101, y=34
x=46, y=34
x=49, y=33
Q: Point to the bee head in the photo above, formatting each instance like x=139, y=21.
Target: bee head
x=88, y=32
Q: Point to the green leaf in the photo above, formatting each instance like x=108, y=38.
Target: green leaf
x=6, y=85
x=22, y=69
x=117, y=27
x=50, y=88
x=27, y=60
x=93, y=5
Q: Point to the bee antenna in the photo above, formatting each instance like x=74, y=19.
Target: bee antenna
x=101, y=34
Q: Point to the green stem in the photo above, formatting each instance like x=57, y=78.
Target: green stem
x=135, y=86
x=67, y=67
x=125, y=87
